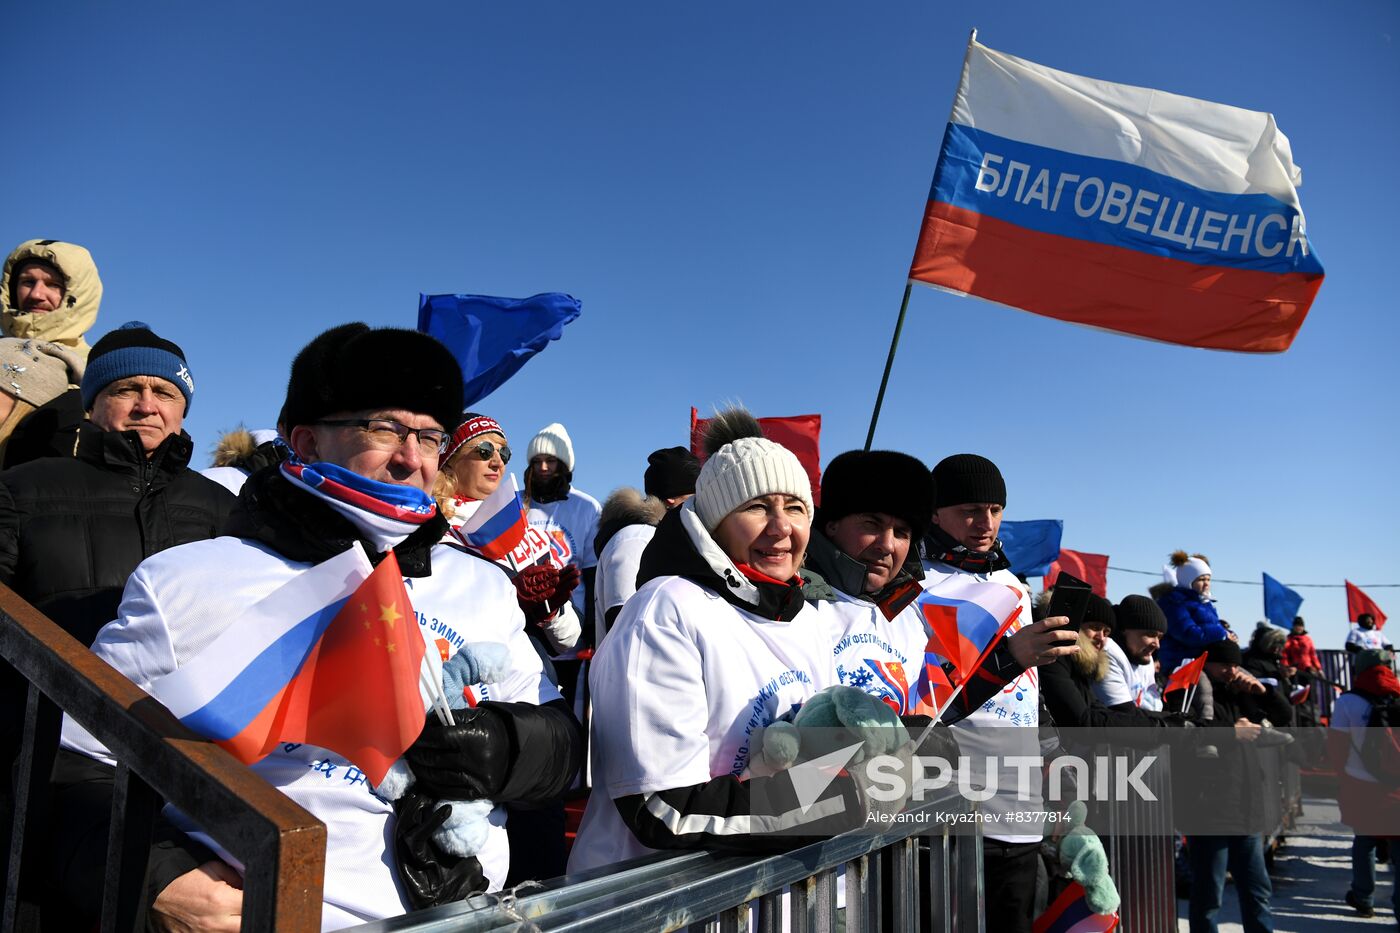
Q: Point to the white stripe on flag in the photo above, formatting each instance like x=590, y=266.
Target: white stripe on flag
x=488, y=507
x=191, y=687
x=1213, y=146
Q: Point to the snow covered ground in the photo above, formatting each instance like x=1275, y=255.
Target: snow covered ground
x=1311, y=875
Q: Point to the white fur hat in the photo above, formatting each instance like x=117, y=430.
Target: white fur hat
x=1187, y=573
x=745, y=468
x=552, y=441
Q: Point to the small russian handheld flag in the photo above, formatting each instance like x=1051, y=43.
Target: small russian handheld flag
x=333, y=658
x=966, y=618
x=497, y=524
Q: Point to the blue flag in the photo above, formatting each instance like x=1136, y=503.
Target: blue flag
x=1280, y=603
x=1032, y=546
x=493, y=337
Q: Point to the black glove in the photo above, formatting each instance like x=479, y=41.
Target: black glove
x=469, y=760
x=430, y=876
x=937, y=742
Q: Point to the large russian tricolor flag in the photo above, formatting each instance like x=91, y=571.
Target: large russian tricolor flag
x=1119, y=207
x=333, y=658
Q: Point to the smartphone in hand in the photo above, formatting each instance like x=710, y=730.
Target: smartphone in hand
x=1071, y=598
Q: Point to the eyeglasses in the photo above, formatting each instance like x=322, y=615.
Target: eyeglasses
x=390, y=435
x=486, y=450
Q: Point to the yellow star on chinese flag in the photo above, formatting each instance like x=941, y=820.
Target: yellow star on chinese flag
x=389, y=614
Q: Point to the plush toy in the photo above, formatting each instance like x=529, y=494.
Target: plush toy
x=464, y=832
x=832, y=719
x=1081, y=855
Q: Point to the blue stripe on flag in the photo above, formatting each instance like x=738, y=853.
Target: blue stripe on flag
x=1265, y=248
x=230, y=711
x=975, y=623
x=498, y=524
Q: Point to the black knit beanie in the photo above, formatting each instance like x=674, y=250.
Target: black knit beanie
x=1224, y=651
x=1141, y=613
x=1099, y=611
x=353, y=367
x=877, y=481
x=671, y=472
x=965, y=478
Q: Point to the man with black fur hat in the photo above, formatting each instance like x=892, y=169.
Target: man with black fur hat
x=364, y=456
x=1131, y=677
x=862, y=558
x=969, y=496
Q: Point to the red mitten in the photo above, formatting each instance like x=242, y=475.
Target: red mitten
x=564, y=588
x=533, y=588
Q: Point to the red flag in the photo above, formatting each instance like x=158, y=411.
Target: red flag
x=1358, y=602
x=1187, y=675
x=800, y=434
x=357, y=691
x=1091, y=568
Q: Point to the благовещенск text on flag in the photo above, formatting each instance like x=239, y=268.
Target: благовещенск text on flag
x=1119, y=207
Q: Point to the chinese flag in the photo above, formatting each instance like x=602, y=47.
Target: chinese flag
x=357, y=691
x=1358, y=602
x=1091, y=568
x=800, y=434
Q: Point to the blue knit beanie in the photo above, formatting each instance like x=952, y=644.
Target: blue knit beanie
x=133, y=350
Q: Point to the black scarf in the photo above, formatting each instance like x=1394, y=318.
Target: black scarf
x=671, y=553
x=847, y=574
x=938, y=545
x=554, y=489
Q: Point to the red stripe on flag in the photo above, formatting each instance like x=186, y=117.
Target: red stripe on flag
x=1111, y=287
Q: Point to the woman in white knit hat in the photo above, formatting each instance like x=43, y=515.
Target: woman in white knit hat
x=716, y=643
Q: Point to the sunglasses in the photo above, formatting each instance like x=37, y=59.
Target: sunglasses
x=486, y=450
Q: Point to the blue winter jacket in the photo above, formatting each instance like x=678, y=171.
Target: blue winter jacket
x=1192, y=624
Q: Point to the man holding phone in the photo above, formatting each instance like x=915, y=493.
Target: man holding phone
x=969, y=499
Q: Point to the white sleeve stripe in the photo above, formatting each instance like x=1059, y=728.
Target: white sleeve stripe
x=678, y=824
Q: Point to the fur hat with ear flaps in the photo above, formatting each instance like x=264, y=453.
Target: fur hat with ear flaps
x=743, y=464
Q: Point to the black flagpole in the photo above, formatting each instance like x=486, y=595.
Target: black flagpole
x=889, y=364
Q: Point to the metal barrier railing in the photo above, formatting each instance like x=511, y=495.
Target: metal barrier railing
x=282, y=846
x=917, y=875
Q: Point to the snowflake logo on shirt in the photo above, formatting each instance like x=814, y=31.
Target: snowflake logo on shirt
x=861, y=679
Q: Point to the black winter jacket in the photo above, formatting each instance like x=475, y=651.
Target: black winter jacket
x=73, y=529
x=1225, y=794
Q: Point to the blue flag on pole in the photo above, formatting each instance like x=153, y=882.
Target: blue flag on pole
x=493, y=337
x=1280, y=603
x=1032, y=546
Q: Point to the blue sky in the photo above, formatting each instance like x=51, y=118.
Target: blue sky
x=733, y=191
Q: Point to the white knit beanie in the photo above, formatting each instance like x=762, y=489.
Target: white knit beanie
x=743, y=469
x=1187, y=573
x=552, y=441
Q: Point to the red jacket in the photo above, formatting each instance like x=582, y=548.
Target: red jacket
x=1299, y=652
